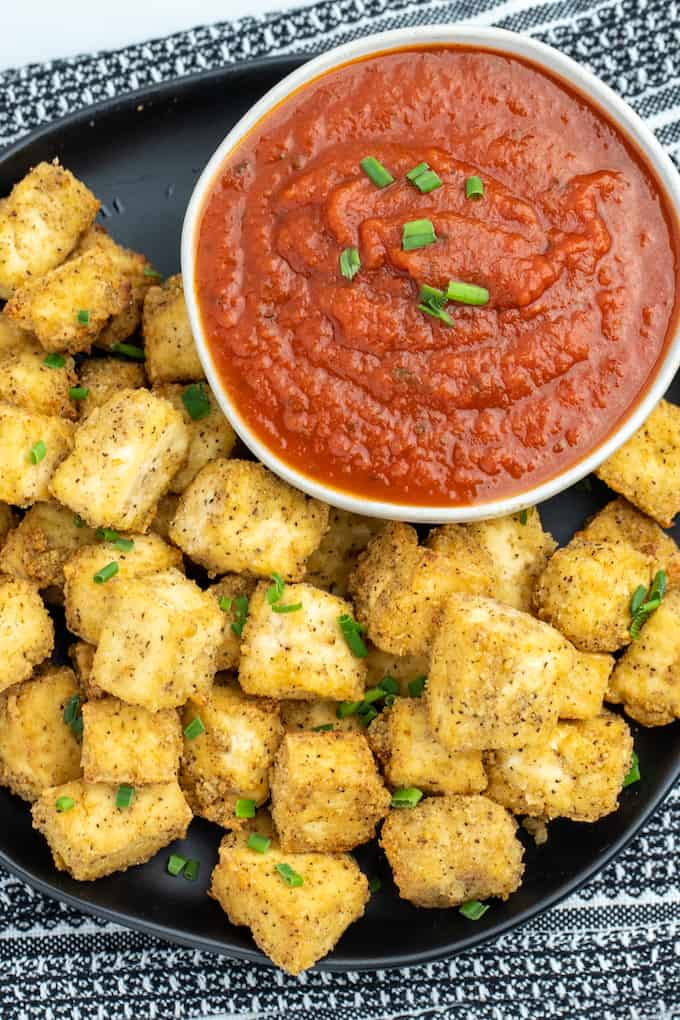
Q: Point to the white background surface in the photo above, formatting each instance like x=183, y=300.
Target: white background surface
x=44, y=29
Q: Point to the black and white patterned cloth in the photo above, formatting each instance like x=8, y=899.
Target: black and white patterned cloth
x=611, y=951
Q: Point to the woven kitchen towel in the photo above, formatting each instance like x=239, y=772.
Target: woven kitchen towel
x=608, y=953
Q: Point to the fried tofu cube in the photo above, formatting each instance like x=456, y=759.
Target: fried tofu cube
x=448, y=850
x=38, y=749
x=317, y=715
x=411, y=755
x=327, y=795
x=405, y=669
x=646, y=468
x=24, y=472
x=619, y=520
x=300, y=654
x=68, y=308
x=400, y=589
x=236, y=516
x=164, y=516
x=125, y=456
x=8, y=521
x=13, y=337
x=210, y=436
x=577, y=772
x=294, y=925
x=37, y=549
x=88, y=604
x=646, y=679
x=27, y=381
x=129, y=744
x=158, y=646
x=95, y=838
x=26, y=631
x=495, y=676
x=231, y=758
x=582, y=690
x=41, y=222
x=585, y=592
x=103, y=378
x=348, y=534
x=227, y=591
x=171, y=354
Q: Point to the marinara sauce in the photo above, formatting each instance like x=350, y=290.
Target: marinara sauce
x=349, y=381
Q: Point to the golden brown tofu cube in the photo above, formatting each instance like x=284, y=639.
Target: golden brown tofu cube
x=327, y=795
x=26, y=631
x=411, y=755
x=128, y=744
x=69, y=307
x=646, y=679
x=405, y=669
x=88, y=604
x=227, y=592
x=41, y=222
x=583, y=688
x=38, y=749
x=448, y=850
x=232, y=757
x=495, y=676
x=124, y=459
x=158, y=646
x=171, y=354
x=620, y=521
x=210, y=436
x=400, y=589
x=28, y=381
x=316, y=715
x=236, y=516
x=294, y=925
x=95, y=838
x=646, y=469
x=348, y=534
x=25, y=467
x=13, y=337
x=103, y=378
x=300, y=654
x=585, y=592
x=38, y=548
x=577, y=772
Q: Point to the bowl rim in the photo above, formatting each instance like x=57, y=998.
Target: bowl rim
x=546, y=58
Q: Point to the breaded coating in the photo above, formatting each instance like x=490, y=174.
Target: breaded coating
x=13, y=337
x=124, y=459
x=316, y=715
x=620, y=521
x=22, y=480
x=8, y=520
x=495, y=676
x=232, y=757
x=27, y=381
x=646, y=679
x=41, y=222
x=171, y=354
x=400, y=589
x=302, y=654
x=89, y=604
x=646, y=469
x=448, y=850
x=82, y=656
x=402, y=668
x=226, y=591
x=209, y=437
x=577, y=772
x=294, y=925
x=165, y=515
x=348, y=534
x=38, y=749
x=103, y=378
x=95, y=838
x=158, y=646
x=411, y=755
x=583, y=688
x=327, y=795
x=128, y=744
x=68, y=308
x=38, y=548
x=585, y=592
x=26, y=631
x=236, y=516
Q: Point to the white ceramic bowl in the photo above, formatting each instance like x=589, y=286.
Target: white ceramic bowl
x=502, y=41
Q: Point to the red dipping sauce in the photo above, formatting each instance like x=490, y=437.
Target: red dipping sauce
x=350, y=382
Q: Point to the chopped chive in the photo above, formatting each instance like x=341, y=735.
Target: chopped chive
x=176, y=864
x=658, y=589
x=106, y=573
x=376, y=172
x=125, y=796
x=407, y=797
x=346, y=708
x=633, y=775
x=389, y=684
x=428, y=181
x=523, y=516
x=466, y=293
x=224, y=603
x=244, y=808
x=415, y=173
x=374, y=885
x=129, y=350
x=417, y=234
x=352, y=631
x=474, y=187
x=83, y=317
x=194, y=728
x=323, y=728
x=195, y=399
x=373, y=694
x=289, y=875
x=73, y=716
x=473, y=910
x=436, y=313
x=113, y=538
x=350, y=263
x=291, y=607
x=644, y=602
x=54, y=361
x=78, y=393
x=241, y=614
x=275, y=591
x=639, y=596
x=260, y=844
x=63, y=804
x=390, y=700
x=191, y=870
x=432, y=296
x=148, y=271
x=417, y=686
x=78, y=521
x=37, y=452
x=367, y=715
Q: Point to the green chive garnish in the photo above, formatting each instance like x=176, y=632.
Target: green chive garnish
x=350, y=263
x=639, y=596
x=83, y=317
x=224, y=603
x=37, y=452
x=346, y=708
x=78, y=521
x=390, y=700
x=78, y=393
x=407, y=797
x=466, y=293
x=436, y=313
x=367, y=715
x=241, y=614
x=474, y=187
x=289, y=876
x=125, y=796
x=113, y=538
x=415, y=173
x=417, y=686
x=417, y=234
x=176, y=864
x=634, y=773
x=148, y=271
x=260, y=844
x=389, y=684
x=191, y=870
x=374, y=885
x=432, y=296
x=196, y=401
x=73, y=716
x=424, y=178
x=352, y=631
x=106, y=573
x=373, y=694
x=323, y=728
x=644, y=602
x=194, y=728
x=244, y=808
x=54, y=361
x=523, y=516
x=376, y=172
x=64, y=804
x=291, y=607
x=473, y=910
x=129, y=351
x=275, y=591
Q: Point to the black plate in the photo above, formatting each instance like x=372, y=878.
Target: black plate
x=141, y=156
